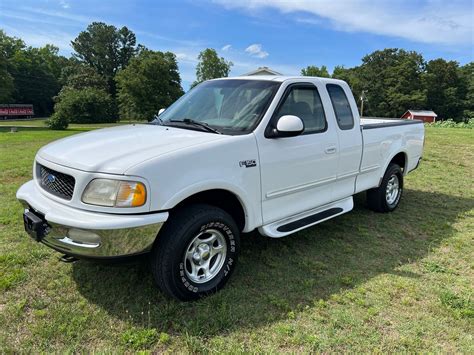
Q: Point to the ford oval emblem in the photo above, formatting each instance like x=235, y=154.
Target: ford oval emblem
x=51, y=178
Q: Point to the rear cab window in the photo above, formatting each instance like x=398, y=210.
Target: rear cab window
x=342, y=108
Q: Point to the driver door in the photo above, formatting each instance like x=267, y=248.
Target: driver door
x=298, y=173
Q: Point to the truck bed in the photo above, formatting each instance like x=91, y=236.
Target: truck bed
x=391, y=135
x=378, y=122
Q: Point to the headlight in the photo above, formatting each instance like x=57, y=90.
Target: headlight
x=114, y=193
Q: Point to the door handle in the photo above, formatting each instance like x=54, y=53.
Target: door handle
x=330, y=150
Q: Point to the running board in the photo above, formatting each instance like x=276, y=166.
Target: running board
x=307, y=219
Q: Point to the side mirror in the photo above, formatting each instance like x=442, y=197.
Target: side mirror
x=161, y=111
x=288, y=126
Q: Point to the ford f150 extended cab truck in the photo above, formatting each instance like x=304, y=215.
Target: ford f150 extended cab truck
x=273, y=153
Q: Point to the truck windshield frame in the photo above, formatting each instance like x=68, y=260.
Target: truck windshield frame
x=230, y=106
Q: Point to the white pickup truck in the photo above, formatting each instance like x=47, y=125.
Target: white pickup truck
x=272, y=153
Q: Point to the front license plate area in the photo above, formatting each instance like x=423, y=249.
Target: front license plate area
x=35, y=225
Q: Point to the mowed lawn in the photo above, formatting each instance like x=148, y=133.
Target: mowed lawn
x=361, y=282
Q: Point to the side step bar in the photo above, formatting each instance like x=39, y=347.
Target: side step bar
x=307, y=219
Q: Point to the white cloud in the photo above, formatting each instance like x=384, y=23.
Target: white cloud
x=255, y=50
x=428, y=21
x=226, y=47
x=64, y=4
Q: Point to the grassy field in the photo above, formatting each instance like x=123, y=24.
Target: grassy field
x=41, y=123
x=361, y=282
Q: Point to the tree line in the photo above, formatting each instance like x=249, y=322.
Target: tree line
x=391, y=81
x=110, y=77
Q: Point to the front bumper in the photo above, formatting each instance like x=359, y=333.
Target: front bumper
x=91, y=234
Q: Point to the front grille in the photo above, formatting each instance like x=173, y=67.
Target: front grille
x=56, y=183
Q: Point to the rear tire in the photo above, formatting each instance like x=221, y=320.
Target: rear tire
x=196, y=252
x=386, y=197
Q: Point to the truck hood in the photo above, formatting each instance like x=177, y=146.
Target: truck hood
x=116, y=149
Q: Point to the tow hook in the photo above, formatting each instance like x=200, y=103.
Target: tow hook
x=68, y=258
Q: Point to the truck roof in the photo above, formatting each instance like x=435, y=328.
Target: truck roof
x=281, y=78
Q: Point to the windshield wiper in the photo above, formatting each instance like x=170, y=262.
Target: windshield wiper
x=156, y=117
x=204, y=125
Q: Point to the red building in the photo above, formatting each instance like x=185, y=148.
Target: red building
x=425, y=116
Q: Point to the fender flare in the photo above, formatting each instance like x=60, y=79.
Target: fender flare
x=250, y=214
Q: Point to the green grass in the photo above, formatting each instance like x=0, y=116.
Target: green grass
x=41, y=123
x=361, y=282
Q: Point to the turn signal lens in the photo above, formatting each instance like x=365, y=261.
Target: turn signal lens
x=130, y=194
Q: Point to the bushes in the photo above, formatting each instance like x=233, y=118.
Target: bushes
x=89, y=105
x=57, y=122
x=452, y=124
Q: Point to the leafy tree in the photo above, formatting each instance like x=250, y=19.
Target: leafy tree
x=29, y=75
x=353, y=77
x=88, y=105
x=106, y=49
x=466, y=74
x=210, y=66
x=312, y=70
x=9, y=45
x=6, y=80
x=391, y=80
x=80, y=76
x=150, y=82
x=444, y=93
x=35, y=83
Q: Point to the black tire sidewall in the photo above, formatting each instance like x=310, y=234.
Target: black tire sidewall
x=210, y=218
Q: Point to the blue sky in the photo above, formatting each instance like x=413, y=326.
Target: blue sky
x=284, y=35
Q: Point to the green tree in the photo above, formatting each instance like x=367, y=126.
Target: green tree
x=466, y=74
x=210, y=66
x=79, y=76
x=150, y=82
x=391, y=80
x=7, y=84
x=8, y=47
x=106, y=49
x=34, y=81
x=444, y=93
x=312, y=70
x=353, y=77
x=29, y=75
x=88, y=105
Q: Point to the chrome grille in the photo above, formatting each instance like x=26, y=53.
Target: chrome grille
x=56, y=183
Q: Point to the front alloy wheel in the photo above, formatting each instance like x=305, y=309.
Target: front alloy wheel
x=195, y=252
x=205, y=256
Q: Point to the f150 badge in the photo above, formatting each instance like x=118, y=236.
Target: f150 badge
x=248, y=163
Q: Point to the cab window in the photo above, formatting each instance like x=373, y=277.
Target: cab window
x=342, y=108
x=304, y=102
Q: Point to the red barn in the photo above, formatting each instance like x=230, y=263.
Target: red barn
x=425, y=116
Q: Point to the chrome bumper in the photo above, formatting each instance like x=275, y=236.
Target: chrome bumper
x=91, y=234
x=101, y=243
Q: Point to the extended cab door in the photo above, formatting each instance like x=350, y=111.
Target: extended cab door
x=344, y=112
x=298, y=173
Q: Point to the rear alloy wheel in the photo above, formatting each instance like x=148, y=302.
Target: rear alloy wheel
x=387, y=196
x=196, y=252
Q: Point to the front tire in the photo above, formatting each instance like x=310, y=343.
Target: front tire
x=386, y=197
x=196, y=252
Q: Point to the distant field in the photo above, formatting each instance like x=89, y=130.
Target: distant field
x=399, y=282
x=40, y=122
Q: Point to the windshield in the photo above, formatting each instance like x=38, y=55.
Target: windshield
x=229, y=106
